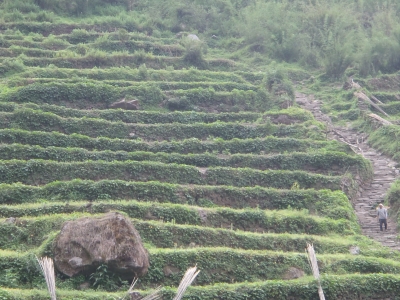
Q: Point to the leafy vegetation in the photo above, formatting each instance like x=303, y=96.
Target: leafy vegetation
x=218, y=167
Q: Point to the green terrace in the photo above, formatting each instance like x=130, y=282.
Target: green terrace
x=143, y=75
x=90, y=95
x=218, y=167
x=317, y=161
x=320, y=202
x=335, y=286
x=44, y=171
x=239, y=265
x=290, y=115
x=28, y=233
x=252, y=220
x=256, y=146
x=29, y=119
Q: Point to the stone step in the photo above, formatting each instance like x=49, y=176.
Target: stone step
x=369, y=193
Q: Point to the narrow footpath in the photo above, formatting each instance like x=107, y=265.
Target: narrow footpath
x=371, y=193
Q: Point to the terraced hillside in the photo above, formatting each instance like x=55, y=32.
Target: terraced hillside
x=218, y=168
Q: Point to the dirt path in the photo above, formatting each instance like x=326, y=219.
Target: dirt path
x=371, y=193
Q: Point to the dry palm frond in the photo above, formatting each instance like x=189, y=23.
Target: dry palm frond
x=154, y=295
x=133, y=285
x=46, y=264
x=312, y=259
x=186, y=281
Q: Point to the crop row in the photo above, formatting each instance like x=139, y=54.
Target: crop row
x=42, y=171
x=256, y=146
x=216, y=265
x=31, y=48
x=291, y=115
x=218, y=86
x=28, y=233
x=102, y=59
x=324, y=162
x=353, y=286
x=320, y=202
x=126, y=73
x=29, y=119
x=149, y=94
x=253, y=220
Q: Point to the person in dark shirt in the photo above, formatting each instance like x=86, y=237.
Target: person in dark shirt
x=382, y=215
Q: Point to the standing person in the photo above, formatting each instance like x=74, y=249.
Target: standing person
x=382, y=215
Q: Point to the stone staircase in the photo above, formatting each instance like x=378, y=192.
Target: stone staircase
x=371, y=193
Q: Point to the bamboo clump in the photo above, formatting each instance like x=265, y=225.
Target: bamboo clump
x=47, y=267
x=312, y=259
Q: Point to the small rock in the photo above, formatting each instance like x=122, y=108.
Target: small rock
x=193, y=37
x=203, y=215
x=355, y=250
x=10, y=220
x=124, y=104
x=293, y=273
x=192, y=245
x=75, y=262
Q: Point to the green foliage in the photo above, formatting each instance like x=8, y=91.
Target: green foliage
x=104, y=279
x=29, y=119
x=194, y=50
x=257, y=146
x=42, y=171
x=335, y=287
x=9, y=66
x=318, y=161
x=255, y=220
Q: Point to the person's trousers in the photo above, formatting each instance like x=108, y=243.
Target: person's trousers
x=381, y=222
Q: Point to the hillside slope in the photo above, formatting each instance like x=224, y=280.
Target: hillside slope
x=218, y=167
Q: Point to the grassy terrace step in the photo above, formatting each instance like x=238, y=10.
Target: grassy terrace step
x=352, y=286
x=105, y=61
x=218, y=265
x=323, y=162
x=87, y=94
x=254, y=220
x=256, y=146
x=61, y=27
x=126, y=73
x=39, y=49
x=42, y=172
x=291, y=115
x=27, y=232
x=163, y=85
x=29, y=119
x=121, y=59
x=322, y=202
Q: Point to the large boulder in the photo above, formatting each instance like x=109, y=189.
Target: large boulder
x=86, y=243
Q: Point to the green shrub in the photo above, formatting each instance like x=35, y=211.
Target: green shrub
x=257, y=146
